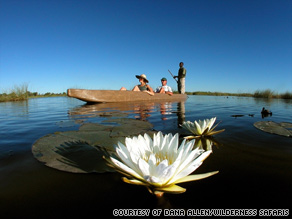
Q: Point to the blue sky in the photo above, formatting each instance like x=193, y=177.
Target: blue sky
x=226, y=45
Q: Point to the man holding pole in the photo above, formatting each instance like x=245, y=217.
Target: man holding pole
x=181, y=78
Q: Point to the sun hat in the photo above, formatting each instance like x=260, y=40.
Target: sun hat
x=163, y=79
x=142, y=76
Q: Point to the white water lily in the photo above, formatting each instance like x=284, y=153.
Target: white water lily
x=159, y=164
x=201, y=128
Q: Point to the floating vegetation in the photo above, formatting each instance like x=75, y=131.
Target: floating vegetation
x=69, y=123
x=201, y=128
x=281, y=128
x=159, y=163
x=82, y=151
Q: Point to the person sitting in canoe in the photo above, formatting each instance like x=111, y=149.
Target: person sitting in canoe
x=143, y=86
x=164, y=89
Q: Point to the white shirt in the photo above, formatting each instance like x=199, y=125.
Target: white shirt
x=166, y=88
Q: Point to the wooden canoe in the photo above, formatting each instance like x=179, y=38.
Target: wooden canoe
x=109, y=96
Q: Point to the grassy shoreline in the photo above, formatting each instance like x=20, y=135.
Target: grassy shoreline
x=23, y=97
x=21, y=93
x=268, y=94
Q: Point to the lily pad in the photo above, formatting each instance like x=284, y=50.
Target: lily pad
x=129, y=127
x=68, y=155
x=275, y=128
x=82, y=151
x=64, y=124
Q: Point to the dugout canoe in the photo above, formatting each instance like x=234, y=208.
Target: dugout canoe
x=111, y=96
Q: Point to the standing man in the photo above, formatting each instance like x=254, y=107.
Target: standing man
x=181, y=78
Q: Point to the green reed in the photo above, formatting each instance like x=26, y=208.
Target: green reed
x=268, y=93
x=17, y=93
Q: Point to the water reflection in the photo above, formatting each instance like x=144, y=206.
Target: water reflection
x=206, y=143
x=141, y=111
x=15, y=109
x=249, y=157
x=181, y=111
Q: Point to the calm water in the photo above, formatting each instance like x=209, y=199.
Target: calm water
x=255, y=167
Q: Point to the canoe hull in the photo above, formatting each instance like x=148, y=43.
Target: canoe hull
x=110, y=96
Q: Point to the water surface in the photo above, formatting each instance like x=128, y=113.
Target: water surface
x=255, y=168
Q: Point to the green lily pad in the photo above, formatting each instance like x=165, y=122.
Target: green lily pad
x=82, y=151
x=275, y=128
x=129, y=127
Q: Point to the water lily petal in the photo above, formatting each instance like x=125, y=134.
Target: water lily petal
x=167, y=172
x=196, y=177
x=189, y=126
x=170, y=173
x=201, y=128
x=175, y=189
x=172, y=149
x=157, y=139
x=143, y=144
x=216, y=132
x=181, y=147
x=198, y=129
x=184, y=172
x=189, y=157
x=189, y=165
x=187, y=150
x=203, y=156
x=173, y=143
x=148, y=140
x=144, y=167
x=126, y=158
x=164, y=143
x=190, y=137
x=211, y=122
x=125, y=168
x=134, y=181
x=161, y=167
x=152, y=160
x=125, y=155
x=153, y=180
x=159, y=164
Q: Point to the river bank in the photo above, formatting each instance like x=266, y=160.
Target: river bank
x=24, y=95
x=257, y=94
x=20, y=93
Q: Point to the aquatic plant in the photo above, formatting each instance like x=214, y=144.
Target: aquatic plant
x=265, y=94
x=18, y=93
x=268, y=93
x=201, y=128
x=286, y=95
x=159, y=164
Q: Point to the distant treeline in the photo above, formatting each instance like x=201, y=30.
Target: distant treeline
x=21, y=92
x=257, y=94
x=48, y=94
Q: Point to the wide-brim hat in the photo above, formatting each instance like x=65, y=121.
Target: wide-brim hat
x=142, y=76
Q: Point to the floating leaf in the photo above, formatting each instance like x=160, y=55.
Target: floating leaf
x=82, y=151
x=275, y=128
